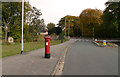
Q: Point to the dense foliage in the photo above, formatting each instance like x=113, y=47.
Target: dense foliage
x=90, y=20
x=0, y=13
x=111, y=21
x=94, y=23
x=52, y=29
x=72, y=24
x=12, y=18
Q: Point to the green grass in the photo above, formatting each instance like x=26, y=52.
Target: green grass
x=0, y=33
x=0, y=41
x=101, y=43
x=13, y=49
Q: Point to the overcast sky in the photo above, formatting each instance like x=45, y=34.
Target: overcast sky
x=54, y=10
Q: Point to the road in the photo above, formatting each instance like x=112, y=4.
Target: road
x=84, y=58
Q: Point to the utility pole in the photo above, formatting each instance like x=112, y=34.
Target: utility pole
x=93, y=32
x=68, y=29
x=22, y=26
x=82, y=30
x=65, y=27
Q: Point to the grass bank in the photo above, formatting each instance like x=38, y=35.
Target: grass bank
x=0, y=34
x=13, y=49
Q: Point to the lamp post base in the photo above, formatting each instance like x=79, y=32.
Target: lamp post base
x=21, y=52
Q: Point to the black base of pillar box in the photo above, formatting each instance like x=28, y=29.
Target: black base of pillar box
x=47, y=55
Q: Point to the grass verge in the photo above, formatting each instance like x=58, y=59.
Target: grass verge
x=13, y=49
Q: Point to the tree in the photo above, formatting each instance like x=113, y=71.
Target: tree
x=71, y=22
x=51, y=31
x=7, y=17
x=77, y=29
x=61, y=22
x=50, y=26
x=36, y=25
x=56, y=30
x=0, y=14
x=90, y=19
x=61, y=37
x=11, y=18
x=111, y=20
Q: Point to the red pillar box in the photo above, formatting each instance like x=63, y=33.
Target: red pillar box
x=47, y=47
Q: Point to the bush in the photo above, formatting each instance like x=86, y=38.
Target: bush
x=53, y=36
x=61, y=37
x=28, y=38
x=40, y=38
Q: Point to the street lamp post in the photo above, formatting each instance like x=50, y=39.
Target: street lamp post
x=65, y=27
x=22, y=26
x=82, y=30
x=68, y=29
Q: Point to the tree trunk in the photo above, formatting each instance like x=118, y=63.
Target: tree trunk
x=6, y=36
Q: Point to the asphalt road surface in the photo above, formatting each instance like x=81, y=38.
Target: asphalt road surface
x=85, y=58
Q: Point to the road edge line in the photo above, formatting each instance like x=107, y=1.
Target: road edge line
x=62, y=58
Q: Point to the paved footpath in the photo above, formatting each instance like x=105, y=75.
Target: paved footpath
x=84, y=58
x=33, y=62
